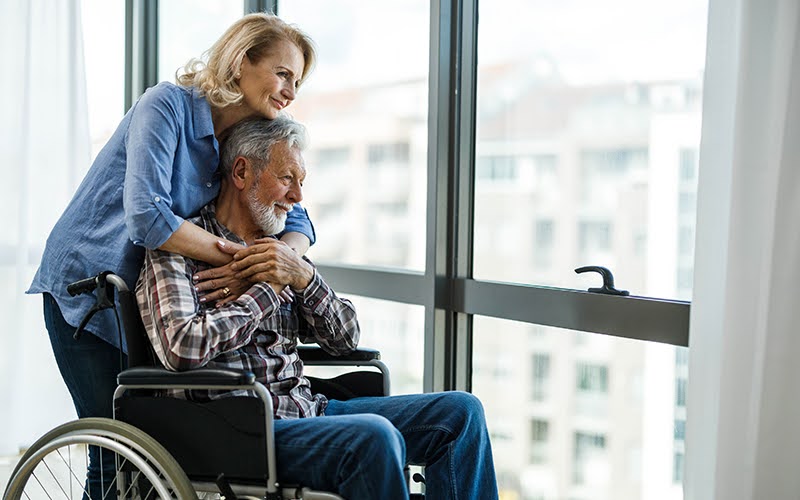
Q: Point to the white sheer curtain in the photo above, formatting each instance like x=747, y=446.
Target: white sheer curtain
x=743, y=415
x=45, y=150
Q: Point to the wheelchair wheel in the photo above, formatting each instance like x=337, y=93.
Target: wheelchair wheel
x=55, y=465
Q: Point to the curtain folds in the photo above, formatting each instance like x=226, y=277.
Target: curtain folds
x=45, y=148
x=743, y=439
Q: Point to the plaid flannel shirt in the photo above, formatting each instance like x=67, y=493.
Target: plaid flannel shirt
x=254, y=332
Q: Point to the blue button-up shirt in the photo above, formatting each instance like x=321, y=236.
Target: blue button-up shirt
x=159, y=168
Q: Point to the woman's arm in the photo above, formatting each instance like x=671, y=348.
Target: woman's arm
x=195, y=242
x=298, y=242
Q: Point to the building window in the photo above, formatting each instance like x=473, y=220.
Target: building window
x=540, y=430
x=677, y=467
x=594, y=236
x=394, y=153
x=336, y=156
x=681, y=356
x=541, y=375
x=543, y=243
x=592, y=378
x=688, y=165
x=589, y=454
x=680, y=392
x=496, y=168
x=680, y=429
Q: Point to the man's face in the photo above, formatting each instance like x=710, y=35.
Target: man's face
x=277, y=188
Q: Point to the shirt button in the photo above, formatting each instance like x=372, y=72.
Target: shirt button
x=208, y=184
x=157, y=199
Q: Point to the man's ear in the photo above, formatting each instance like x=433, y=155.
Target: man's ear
x=241, y=172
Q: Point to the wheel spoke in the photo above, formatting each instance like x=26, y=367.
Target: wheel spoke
x=41, y=485
x=71, y=472
x=55, y=478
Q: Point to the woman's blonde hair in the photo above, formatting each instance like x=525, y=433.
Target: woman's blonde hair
x=253, y=36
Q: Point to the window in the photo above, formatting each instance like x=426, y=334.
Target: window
x=393, y=153
x=332, y=156
x=680, y=392
x=539, y=439
x=496, y=168
x=594, y=237
x=592, y=378
x=543, y=244
x=187, y=28
x=680, y=430
x=368, y=96
x=688, y=165
x=588, y=456
x=677, y=467
x=541, y=376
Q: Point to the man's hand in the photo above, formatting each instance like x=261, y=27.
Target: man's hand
x=219, y=284
x=272, y=261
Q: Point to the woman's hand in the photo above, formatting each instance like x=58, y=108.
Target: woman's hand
x=220, y=284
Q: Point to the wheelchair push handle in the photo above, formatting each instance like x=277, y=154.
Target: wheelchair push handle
x=105, y=295
x=87, y=285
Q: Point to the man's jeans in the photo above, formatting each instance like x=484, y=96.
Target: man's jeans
x=89, y=367
x=360, y=447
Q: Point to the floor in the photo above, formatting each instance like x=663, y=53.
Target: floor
x=6, y=466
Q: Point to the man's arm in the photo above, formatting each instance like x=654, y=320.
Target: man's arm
x=185, y=335
x=331, y=320
x=326, y=318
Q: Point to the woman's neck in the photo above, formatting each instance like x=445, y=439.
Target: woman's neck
x=224, y=118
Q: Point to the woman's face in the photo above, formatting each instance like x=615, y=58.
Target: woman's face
x=270, y=84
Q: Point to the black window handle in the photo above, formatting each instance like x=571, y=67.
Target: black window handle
x=608, y=280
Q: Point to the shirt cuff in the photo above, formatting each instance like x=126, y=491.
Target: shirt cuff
x=313, y=296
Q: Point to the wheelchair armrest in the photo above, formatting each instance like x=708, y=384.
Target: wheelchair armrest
x=315, y=355
x=150, y=375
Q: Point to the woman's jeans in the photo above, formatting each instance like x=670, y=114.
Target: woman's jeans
x=360, y=447
x=89, y=367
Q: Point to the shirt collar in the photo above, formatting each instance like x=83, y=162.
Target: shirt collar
x=201, y=115
x=208, y=216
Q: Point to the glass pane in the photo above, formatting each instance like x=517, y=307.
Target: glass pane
x=587, y=140
x=366, y=109
x=397, y=331
x=187, y=28
x=103, y=47
x=590, y=417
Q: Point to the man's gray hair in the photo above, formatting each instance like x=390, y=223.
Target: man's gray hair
x=254, y=138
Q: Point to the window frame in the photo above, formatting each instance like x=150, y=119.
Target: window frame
x=447, y=289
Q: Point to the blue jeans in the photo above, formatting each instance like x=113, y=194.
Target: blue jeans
x=89, y=367
x=360, y=447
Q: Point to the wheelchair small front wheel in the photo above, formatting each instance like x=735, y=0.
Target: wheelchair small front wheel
x=57, y=463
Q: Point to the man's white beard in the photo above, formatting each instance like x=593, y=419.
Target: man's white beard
x=264, y=215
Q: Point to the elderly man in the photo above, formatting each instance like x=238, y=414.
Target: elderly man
x=357, y=448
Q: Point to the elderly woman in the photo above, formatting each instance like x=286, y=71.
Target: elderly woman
x=158, y=169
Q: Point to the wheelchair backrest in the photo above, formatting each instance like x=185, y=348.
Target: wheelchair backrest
x=140, y=351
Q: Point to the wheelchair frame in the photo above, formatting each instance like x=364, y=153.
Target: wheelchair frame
x=135, y=443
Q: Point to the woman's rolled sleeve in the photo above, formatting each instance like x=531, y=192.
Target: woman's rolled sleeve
x=152, y=139
x=151, y=227
x=298, y=221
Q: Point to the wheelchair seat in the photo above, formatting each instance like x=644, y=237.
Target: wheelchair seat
x=236, y=447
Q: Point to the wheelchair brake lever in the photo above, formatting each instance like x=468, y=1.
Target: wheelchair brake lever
x=104, y=294
x=85, y=321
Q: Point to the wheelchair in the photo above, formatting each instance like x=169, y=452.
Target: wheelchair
x=153, y=439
